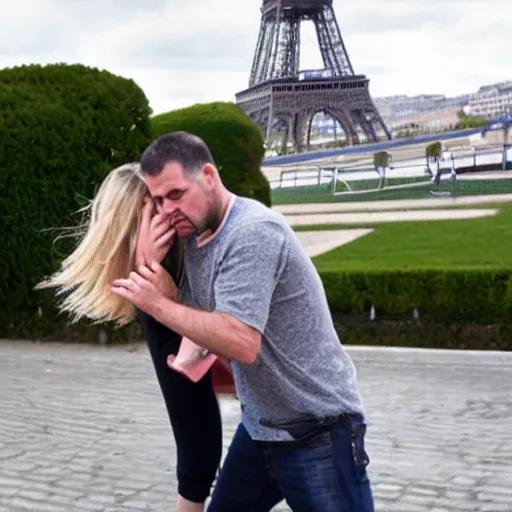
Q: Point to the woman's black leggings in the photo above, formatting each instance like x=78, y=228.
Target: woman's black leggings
x=194, y=413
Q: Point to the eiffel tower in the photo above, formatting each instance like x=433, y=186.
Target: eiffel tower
x=279, y=95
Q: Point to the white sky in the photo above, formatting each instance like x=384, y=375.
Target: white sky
x=201, y=50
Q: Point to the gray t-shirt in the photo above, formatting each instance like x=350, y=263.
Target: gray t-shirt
x=256, y=270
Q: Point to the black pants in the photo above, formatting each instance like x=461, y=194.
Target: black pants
x=193, y=411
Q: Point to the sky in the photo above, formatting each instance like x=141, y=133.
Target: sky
x=184, y=52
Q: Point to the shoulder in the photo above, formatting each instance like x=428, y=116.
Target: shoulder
x=265, y=232
x=256, y=233
x=251, y=218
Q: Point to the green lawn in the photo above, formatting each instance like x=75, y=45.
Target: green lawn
x=473, y=243
x=321, y=194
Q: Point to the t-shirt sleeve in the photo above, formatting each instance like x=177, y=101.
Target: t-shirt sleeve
x=249, y=271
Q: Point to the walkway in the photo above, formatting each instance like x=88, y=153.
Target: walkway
x=395, y=204
x=84, y=428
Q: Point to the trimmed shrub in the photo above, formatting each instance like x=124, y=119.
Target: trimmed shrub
x=234, y=139
x=450, y=296
x=62, y=129
x=423, y=333
x=470, y=122
x=434, y=150
x=381, y=159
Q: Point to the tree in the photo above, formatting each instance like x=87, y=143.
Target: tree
x=234, y=139
x=62, y=129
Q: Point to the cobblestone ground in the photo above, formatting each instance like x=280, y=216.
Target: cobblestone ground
x=83, y=428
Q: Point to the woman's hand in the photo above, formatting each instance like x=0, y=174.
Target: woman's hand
x=155, y=236
x=192, y=360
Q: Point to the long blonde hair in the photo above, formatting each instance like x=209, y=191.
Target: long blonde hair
x=106, y=250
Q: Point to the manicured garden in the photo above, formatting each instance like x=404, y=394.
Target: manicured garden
x=479, y=244
x=456, y=275
x=63, y=128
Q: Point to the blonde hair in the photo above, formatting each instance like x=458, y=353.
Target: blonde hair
x=106, y=250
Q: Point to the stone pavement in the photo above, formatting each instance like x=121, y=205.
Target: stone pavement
x=83, y=428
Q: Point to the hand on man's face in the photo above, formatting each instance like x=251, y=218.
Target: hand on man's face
x=155, y=236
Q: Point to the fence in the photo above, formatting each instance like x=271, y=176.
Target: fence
x=457, y=172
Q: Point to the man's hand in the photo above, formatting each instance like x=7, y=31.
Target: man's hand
x=146, y=289
x=155, y=236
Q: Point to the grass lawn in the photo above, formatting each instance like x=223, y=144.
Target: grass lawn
x=447, y=244
x=321, y=194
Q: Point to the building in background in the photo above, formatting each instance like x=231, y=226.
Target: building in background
x=424, y=113
x=490, y=101
x=429, y=113
x=404, y=107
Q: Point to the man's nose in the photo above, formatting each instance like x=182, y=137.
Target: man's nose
x=168, y=207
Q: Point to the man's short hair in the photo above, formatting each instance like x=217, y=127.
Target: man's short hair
x=186, y=149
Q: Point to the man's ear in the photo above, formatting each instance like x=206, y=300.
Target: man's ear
x=210, y=174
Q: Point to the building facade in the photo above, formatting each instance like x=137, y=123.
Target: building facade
x=491, y=101
x=430, y=112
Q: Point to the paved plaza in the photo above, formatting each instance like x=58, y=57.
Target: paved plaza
x=83, y=428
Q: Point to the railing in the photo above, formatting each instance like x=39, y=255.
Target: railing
x=403, y=179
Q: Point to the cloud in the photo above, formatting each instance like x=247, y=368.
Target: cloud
x=451, y=58
x=378, y=17
x=187, y=52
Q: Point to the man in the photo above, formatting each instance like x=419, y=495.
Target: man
x=253, y=296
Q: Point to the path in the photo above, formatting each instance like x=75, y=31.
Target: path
x=390, y=216
x=84, y=428
x=318, y=242
x=396, y=204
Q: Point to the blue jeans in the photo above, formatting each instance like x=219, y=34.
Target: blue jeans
x=323, y=470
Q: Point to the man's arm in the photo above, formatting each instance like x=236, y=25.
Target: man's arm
x=243, y=293
x=218, y=332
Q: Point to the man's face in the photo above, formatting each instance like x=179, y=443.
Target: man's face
x=188, y=200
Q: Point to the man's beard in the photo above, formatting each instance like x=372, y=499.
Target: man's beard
x=185, y=227
x=210, y=225
x=213, y=220
x=213, y=217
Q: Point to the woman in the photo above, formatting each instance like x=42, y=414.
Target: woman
x=122, y=231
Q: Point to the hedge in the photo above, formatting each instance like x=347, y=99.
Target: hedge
x=422, y=333
x=470, y=122
x=381, y=159
x=457, y=309
x=434, y=150
x=444, y=296
x=234, y=139
x=62, y=129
